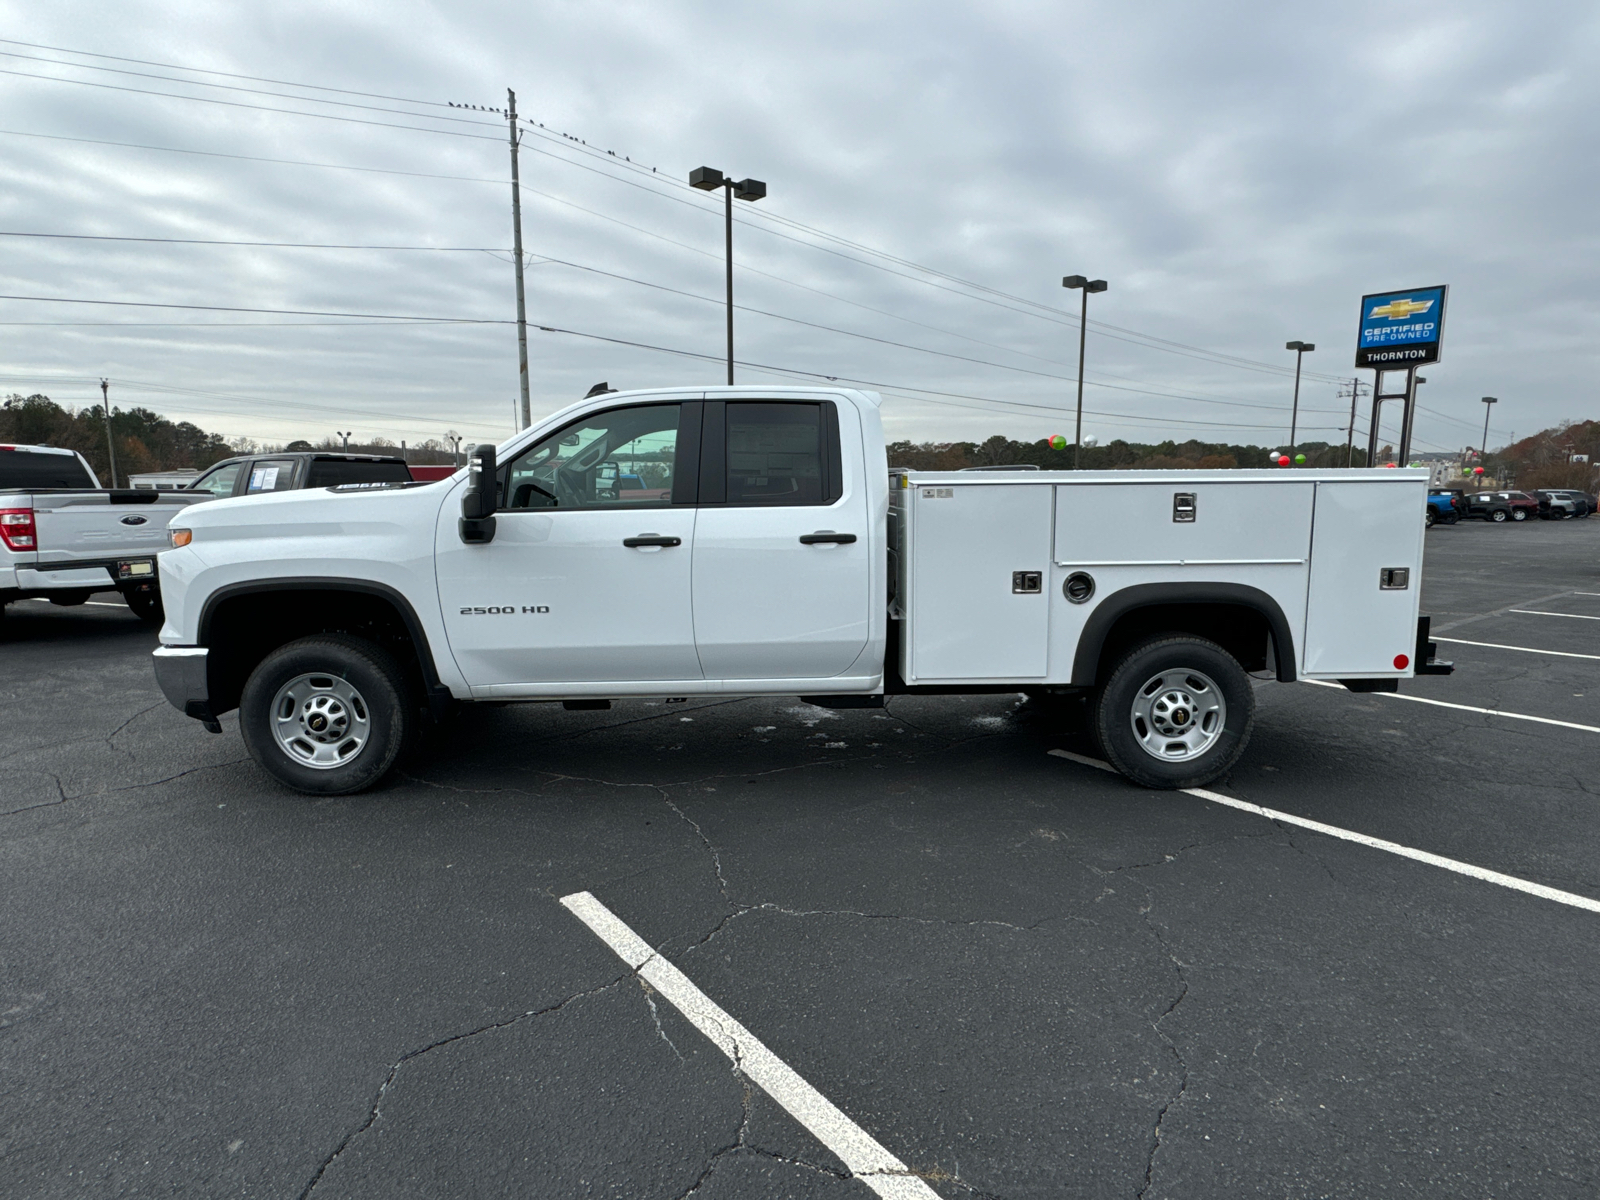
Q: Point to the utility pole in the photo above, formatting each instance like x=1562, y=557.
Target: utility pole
x=111, y=445
x=1350, y=435
x=516, y=249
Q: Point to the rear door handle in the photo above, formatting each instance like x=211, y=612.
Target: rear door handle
x=652, y=539
x=826, y=535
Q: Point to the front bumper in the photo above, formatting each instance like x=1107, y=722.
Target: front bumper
x=181, y=672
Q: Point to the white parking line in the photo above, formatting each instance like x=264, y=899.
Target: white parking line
x=1492, y=712
x=1534, y=612
x=1361, y=839
x=866, y=1158
x=1524, y=649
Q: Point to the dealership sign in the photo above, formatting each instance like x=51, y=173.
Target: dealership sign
x=1401, y=329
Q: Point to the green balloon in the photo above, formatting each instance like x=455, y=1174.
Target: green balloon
x=1301, y=459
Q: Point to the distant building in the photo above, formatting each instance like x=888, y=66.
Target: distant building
x=164, y=481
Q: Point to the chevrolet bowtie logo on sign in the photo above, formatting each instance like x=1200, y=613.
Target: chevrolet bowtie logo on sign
x=1401, y=329
x=1396, y=310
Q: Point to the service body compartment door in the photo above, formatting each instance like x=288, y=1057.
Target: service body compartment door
x=966, y=621
x=1357, y=617
x=1185, y=521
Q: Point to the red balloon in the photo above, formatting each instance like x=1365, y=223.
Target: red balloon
x=1283, y=460
x=1477, y=470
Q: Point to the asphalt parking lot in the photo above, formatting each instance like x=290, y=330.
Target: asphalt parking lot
x=1020, y=975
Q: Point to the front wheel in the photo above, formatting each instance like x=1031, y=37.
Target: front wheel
x=1519, y=514
x=1176, y=712
x=1428, y=519
x=1498, y=516
x=326, y=715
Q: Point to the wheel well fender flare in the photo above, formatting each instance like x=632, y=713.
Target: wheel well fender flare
x=1119, y=604
x=303, y=583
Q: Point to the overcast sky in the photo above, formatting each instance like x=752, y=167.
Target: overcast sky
x=1240, y=173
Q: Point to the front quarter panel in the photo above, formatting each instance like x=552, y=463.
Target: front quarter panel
x=379, y=536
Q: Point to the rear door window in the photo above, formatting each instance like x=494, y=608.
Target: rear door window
x=781, y=453
x=270, y=475
x=331, y=472
x=36, y=469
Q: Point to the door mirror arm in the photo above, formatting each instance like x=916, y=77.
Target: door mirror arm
x=478, y=502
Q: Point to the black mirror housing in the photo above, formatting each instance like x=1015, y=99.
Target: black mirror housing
x=478, y=502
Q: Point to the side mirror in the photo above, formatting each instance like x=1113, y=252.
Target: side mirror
x=478, y=501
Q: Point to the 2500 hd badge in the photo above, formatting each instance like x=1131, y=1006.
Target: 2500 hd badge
x=495, y=610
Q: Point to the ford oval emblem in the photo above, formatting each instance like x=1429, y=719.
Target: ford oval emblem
x=134, y=520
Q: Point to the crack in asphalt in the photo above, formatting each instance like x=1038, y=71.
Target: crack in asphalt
x=655, y=1015
x=1172, y=1046
x=61, y=792
x=377, y=1101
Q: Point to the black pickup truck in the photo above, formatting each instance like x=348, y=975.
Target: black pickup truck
x=288, y=471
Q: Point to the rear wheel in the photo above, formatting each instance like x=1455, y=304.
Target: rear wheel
x=1428, y=518
x=1176, y=712
x=146, y=606
x=1519, y=514
x=327, y=715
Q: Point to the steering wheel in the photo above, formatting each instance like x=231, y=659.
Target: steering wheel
x=520, y=500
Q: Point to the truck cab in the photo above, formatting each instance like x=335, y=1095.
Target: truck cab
x=753, y=541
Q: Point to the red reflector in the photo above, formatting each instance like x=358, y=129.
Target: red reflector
x=1401, y=662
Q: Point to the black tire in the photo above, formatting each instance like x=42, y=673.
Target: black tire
x=1498, y=516
x=1115, y=713
x=1519, y=514
x=1428, y=519
x=147, y=607
x=1452, y=519
x=382, y=699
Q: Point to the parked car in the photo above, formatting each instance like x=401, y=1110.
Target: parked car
x=1445, y=506
x=1561, y=503
x=63, y=537
x=252, y=475
x=1501, y=506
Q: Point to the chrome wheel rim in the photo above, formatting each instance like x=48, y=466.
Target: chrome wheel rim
x=320, y=721
x=1178, y=715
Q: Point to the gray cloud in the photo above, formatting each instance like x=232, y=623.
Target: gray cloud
x=1241, y=173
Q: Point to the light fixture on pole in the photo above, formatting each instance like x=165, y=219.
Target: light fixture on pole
x=1086, y=285
x=1300, y=349
x=344, y=437
x=1483, y=450
x=708, y=179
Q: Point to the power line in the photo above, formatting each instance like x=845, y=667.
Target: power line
x=289, y=312
x=225, y=74
x=286, y=162
x=99, y=237
x=117, y=87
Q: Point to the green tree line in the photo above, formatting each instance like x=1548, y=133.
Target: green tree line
x=145, y=440
x=1000, y=451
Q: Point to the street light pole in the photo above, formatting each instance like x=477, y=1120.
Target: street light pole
x=344, y=438
x=1086, y=285
x=1483, y=450
x=708, y=179
x=1299, y=349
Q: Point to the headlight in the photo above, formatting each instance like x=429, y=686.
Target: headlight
x=181, y=537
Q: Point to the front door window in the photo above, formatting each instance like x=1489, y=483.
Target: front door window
x=624, y=458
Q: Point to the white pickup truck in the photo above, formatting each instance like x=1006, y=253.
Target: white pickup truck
x=753, y=541
x=63, y=537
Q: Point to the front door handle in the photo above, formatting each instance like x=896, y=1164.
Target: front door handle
x=652, y=539
x=826, y=535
